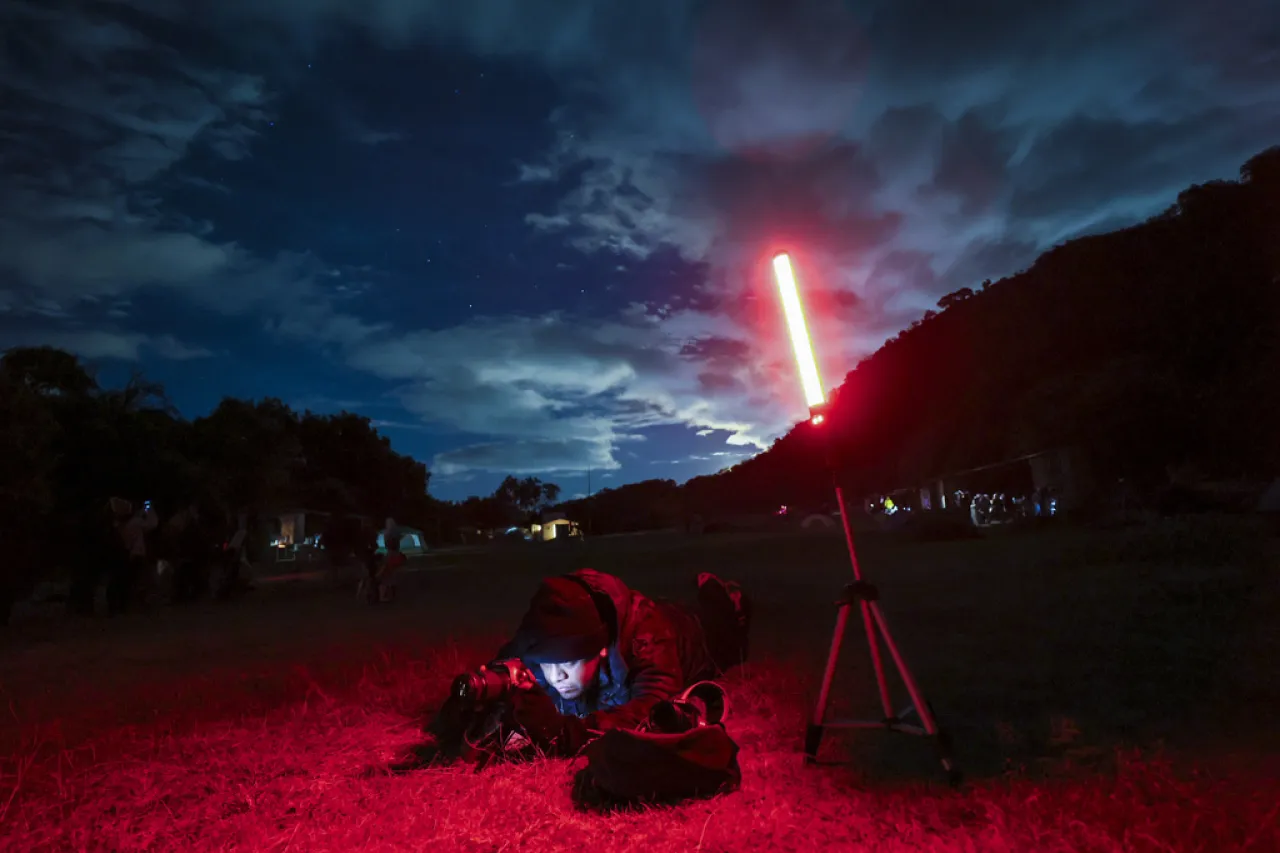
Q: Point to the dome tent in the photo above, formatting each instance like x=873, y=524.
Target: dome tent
x=412, y=542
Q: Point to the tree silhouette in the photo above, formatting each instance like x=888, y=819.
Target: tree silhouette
x=526, y=496
x=72, y=445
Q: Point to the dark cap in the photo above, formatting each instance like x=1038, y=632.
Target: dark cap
x=562, y=624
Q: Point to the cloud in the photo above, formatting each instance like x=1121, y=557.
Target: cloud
x=169, y=347
x=524, y=456
x=357, y=128
x=95, y=113
x=368, y=136
x=923, y=155
x=531, y=173
x=1151, y=159
x=79, y=80
x=967, y=144
x=897, y=152
x=95, y=344
x=383, y=424
x=75, y=260
x=558, y=391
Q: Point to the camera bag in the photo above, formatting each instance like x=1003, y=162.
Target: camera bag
x=682, y=751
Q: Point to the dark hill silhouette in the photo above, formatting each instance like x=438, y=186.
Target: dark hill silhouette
x=1149, y=347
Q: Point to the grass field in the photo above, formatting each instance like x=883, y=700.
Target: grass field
x=1106, y=691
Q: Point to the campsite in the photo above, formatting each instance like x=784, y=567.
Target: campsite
x=1107, y=689
x=338, y=338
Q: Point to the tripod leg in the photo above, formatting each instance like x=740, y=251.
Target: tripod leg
x=886, y=702
x=813, y=734
x=923, y=709
x=877, y=662
x=913, y=689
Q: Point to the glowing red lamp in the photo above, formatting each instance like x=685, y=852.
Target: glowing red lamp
x=801, y=343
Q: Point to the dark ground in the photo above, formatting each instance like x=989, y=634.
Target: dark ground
x=1030, y=646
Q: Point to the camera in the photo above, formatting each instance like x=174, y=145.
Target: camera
x=490, y=683
x=702, y=704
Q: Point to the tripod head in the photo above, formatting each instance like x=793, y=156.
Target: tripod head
x=822, y=423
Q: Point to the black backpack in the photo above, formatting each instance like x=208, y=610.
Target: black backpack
x=683, y=751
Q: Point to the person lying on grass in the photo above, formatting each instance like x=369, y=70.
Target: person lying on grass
x=600, y=655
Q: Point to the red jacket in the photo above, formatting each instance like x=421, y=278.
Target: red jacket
x=656, y=649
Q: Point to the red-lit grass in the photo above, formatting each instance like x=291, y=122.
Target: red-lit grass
x=312, y=774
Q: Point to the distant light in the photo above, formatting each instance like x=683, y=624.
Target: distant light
x=817, y=420
x=799, y=331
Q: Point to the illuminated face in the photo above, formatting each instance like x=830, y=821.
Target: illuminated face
x=572, y=678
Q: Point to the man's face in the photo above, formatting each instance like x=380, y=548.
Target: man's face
x=572, y=678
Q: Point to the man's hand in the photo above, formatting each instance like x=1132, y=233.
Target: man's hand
x=551, y=731
x=524, y=679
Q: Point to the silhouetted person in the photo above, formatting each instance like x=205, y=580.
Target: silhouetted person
x=392, y=563
x=232, y=555
x=125, y=575
x=185, y=547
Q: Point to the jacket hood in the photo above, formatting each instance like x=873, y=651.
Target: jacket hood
x=614, y=599
x=616, y=604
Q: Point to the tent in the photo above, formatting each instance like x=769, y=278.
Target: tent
x=412, y=542
x=558, y=528
x=818, y=521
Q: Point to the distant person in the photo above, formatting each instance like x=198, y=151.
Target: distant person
x=392, y=563
x=186, y=548
x=126, y=576
x=232, y=557
x=367, y=552
x=603, y=655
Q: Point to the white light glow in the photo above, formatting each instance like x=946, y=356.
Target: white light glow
x=800, y=341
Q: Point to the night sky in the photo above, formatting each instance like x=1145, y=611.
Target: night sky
x=532, y=237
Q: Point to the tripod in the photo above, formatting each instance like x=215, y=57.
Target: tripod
x=867, y=598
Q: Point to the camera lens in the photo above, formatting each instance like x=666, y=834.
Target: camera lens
x=464, y=686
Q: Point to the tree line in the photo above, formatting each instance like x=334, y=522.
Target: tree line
x=514, y=503
x=71, y=445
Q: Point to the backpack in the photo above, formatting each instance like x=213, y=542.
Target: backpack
x=682, y=751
